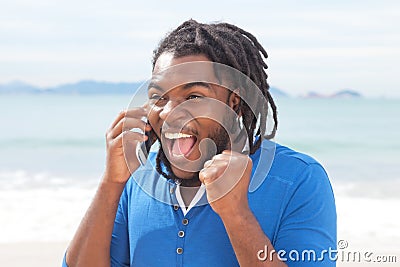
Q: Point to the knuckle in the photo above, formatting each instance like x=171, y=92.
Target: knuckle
x=108, y=134
x=249, y=161
x=111, y=145
x=219, y=156
x=227, y=162
x=212, y=172
x=208, y=163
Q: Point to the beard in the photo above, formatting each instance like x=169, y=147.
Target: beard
x=220, y=138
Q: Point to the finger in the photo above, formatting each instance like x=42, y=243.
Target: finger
x=132, y=137
x=126, y=124
x=206, y=176
x=218, y=160
x=228, y=152
x=212, y=173
x=121, y=114
x=128, y=137
x=208, y=163
x=146, y=106
x=136, y=112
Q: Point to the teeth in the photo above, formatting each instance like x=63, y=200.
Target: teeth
x=177, y=135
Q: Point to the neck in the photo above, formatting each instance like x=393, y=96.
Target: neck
x=192, y=182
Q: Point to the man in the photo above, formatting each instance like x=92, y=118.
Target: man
x=198, y=207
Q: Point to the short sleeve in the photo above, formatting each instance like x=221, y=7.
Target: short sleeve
x=307, y=234
x=119, y=251
x=64, y=262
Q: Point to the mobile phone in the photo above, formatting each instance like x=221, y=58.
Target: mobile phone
x=143, y=148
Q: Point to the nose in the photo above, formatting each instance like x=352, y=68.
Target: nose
x=171, y=111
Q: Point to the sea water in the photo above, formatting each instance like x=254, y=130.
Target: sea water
x=52, y=155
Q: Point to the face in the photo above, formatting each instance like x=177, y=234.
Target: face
x=180, y=118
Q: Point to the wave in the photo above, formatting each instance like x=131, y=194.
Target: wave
x=51, y=142
x=23, y=180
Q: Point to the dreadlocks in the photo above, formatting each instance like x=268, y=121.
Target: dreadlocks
x=232, y=46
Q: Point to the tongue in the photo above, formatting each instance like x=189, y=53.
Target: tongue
x=183, y=145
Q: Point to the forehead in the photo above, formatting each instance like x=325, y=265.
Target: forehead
x=170, y=72
x=167, y=60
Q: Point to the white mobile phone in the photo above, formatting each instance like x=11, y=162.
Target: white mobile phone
x=143, y=148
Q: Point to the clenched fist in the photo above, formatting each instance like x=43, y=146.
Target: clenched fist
x=226, y=177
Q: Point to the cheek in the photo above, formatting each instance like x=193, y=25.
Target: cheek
x=208, y=127
x=154, y=120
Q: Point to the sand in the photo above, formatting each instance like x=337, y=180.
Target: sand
x=367, y=225
x=50, y=254
x=33, y=254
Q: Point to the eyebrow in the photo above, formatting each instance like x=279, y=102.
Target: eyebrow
x=193, y=84
x=186, y=86
x=154, y=85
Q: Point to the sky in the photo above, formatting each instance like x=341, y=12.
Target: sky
x=322, y=46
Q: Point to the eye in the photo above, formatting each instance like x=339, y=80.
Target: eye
x=156, y=99
x=194, y=97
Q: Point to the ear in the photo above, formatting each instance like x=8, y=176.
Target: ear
x=234, y=101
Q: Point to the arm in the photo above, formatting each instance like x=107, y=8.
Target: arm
x=91, y=243
x=247, y=239
x=226, y=178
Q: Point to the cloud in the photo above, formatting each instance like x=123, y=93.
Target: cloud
x=114, y=40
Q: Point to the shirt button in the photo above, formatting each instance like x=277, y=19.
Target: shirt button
x=181, y=233
x=185, y=221
x=176, y=207
x=171, y=190
x=179, y=250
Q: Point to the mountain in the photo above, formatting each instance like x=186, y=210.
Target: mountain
x=345, y=93
x=17, y=87
x=89, y=87
x=94, y=87
x=275, y=92
x=82, y=87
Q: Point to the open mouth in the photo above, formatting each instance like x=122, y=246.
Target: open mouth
x=180, y=144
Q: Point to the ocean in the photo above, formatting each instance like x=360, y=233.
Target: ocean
x=52, y=155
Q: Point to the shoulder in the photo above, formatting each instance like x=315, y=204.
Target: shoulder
x=296, y=191
x=294, y=166
x=278, y=164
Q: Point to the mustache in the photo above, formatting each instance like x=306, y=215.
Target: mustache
x=174, y=128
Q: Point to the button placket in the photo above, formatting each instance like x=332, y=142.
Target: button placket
x=181, y=237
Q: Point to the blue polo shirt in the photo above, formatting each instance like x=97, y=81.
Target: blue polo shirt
x=293, y=203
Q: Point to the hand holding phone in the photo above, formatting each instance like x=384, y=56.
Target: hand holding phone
x=143, y=148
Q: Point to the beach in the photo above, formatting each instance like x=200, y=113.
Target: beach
x=35, y=254
x=52, y=158
x=354, y=227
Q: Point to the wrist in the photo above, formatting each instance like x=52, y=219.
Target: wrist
x=237, y=217
x=115, y=177
x=112, y=189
